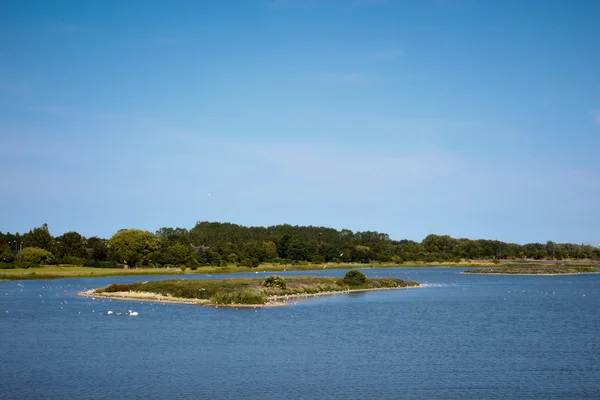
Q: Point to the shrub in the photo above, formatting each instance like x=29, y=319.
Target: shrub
x=275, y=281
x=101, y=264
x=7, y=257
x=26, y=264
x=355, y=278
x=250, y=262
x=7, y=265
x=35, y=255
x=117, y=288
x=71, y=260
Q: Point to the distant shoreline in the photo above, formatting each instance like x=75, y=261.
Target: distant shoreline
x=559, y=274
x=272, y=301
x=71, y=271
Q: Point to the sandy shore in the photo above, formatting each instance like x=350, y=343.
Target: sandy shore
x=272, y=301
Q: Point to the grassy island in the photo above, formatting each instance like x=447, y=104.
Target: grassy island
x=273, y=290
x=536, y=270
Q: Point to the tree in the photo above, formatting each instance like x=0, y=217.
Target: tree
x=39, y=238
x=133, y=246
x=72, y=244
x=255, y=249
x=98, y=248
x=183, y=254
x=362, y=254
x=35, y=255
x=355, y=278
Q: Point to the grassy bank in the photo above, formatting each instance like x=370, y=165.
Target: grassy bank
x=536, y=270
x=240, y=291
x=70, y=271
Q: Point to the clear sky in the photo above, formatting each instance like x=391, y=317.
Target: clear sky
x=472, y=118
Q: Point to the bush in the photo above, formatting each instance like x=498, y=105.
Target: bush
x=250, y=262
x=7, y=257
x=355, y=278
x=102, y=264
x=25, y=264
x=117, y=288
x=35, y=255
x=72, y=260
x=7, y=265
x=275, y=281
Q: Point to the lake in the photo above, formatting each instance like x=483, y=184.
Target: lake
x=464, y=337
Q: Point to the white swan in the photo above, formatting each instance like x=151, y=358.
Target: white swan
x=132, y=313
x=109, y=312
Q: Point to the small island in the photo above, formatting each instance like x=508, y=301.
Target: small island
x=274, y=290
x=536, y=270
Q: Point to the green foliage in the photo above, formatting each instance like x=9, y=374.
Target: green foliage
x=38, y=238
x=249, y=290
x=98, y=248
x=250, y=262
x=355, y=278
x=183, y=254
x=35, y=255
x=71, y=260
x=133, y=246
x=536, y=270
x=212, y=243
x=72, y=244
x=102, y=264
x=6, y=256
x=117, y=288
x=275, y=281
x=243, y=297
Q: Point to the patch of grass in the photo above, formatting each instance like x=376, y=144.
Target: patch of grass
x=69, y=271
x=536, y=270
x=243, y=297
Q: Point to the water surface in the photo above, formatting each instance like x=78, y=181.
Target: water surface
x=465, y=337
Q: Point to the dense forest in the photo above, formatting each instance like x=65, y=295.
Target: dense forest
x=212, y=243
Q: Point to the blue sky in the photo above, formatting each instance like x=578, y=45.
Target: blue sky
x=472, y=118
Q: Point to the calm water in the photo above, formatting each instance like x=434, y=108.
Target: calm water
x=468, y=337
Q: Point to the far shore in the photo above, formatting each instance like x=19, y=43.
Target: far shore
x=497, y=273
x=272, y=301
x=73, y=271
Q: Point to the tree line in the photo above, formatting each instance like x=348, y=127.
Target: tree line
x=212, y=243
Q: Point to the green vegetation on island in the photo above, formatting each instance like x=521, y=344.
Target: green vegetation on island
x=233, y=248
x=536, y=270
x=255, y=291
